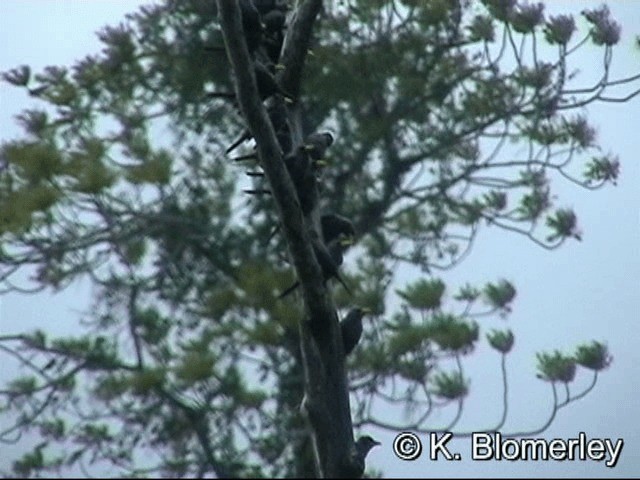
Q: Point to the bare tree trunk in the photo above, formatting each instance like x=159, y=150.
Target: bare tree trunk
x=326, y=390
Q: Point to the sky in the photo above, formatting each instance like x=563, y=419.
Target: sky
x=584, y=291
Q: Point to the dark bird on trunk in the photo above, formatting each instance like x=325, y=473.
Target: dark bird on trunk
x=304, y=174
x=362, y=447
x=351, y=329
x=274, y=25
x=334, y=225
x=267, y=84
x=274, y=21
x=330, y=258
x=317, y=144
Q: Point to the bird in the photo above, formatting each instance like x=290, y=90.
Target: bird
x=304, y=170
x=303, y=173
x=330, y=258
x=274, y=21
x=317, y=144
x=361, y=449
x=333, y=225
x=274, y=26
x=267, y=84
x=351, y=329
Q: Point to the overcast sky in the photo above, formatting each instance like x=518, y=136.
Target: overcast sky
x=587, y=290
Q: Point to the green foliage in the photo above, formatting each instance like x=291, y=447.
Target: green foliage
x=18, y=76
x=53, y=429
x=23, y=386
x=30, y=462
x=155, y=168
x=424, y=294
x=407, y=338
x=500, y=295
x=450, y=386
x=594, y=356
x=451, y=333
x=564, y=224
x=147, y=381
x=502, y=341
x=195, y=367
x=602, y=169
x=559, y=29
x=468, y=293
x=556, y=367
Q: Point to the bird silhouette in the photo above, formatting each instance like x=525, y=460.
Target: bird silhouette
x=330, y=257
x=351, y=329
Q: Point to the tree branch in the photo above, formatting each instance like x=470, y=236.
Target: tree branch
x=297, y=45
x=320, y=337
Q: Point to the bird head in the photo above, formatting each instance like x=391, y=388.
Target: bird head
x=364, y=444
x=318, y=141
x=328, y=138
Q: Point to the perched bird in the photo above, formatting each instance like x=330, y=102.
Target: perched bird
x=317, y=144
x=362, y=447
x=267, y=84
x=333, y=225
x=274, y=25
x=330, y=258
x=303, y=177
x=351, y=329
x=274, y=21
x=303, y=171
